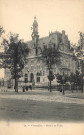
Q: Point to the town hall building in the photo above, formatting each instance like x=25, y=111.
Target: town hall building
x=35, y=69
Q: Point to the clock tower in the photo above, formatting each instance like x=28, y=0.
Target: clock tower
x=35, y=36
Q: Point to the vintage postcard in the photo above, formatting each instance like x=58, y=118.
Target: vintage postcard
x=41, y=67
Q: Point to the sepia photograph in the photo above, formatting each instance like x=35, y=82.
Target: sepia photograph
x=41, y=67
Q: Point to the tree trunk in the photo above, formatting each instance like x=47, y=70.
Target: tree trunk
x=63, y=89
x=82, y=88
x=77, y=88
x=50, y=81
x=50, y=86
x=82, y=85
x=16, y=84
x=71, y=88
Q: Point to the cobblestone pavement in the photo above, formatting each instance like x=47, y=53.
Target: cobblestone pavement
x=45, y=95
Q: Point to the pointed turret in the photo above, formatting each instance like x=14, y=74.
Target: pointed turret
x=35, y=27
x=35, y=36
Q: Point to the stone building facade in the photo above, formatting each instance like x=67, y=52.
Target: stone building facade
x=35, y=70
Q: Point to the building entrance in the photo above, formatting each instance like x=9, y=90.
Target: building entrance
x=31, y=77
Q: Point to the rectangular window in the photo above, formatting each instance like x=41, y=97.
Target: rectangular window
x=38, y=79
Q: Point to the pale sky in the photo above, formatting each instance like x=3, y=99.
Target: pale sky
x=17, y=16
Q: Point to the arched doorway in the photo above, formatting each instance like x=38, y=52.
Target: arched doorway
x=31, y=77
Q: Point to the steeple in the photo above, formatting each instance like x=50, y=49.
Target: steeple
x=35, y=36
x=35, y=27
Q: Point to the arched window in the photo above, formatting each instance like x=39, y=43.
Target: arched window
x=38, y=74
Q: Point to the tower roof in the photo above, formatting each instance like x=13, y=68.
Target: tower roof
x=35, y=21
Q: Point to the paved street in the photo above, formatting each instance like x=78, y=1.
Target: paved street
x=41, y=105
